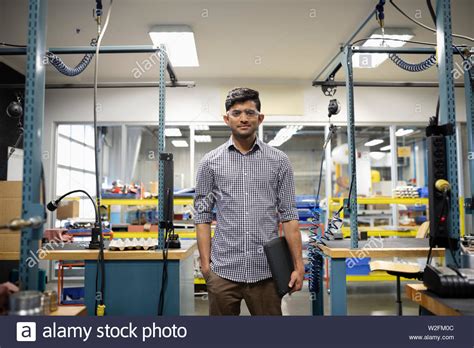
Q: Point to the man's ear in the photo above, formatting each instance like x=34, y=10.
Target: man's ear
x=260, y=118
x=226, y=119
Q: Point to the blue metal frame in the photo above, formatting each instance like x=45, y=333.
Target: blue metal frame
x=32, y=141
x=338, y=286
x=161, y=144
x=33, y=128
x=347, y=60
x=448, y=113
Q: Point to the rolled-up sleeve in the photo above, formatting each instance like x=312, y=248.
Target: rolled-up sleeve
x=204, y=198
x=286, y=201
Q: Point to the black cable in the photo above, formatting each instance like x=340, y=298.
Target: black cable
x=432, y=11
x=43, y=190
x=437, y=111
x=11, y=45
x=323, y=156
x=164, y=274
x=80, y=191
x=461, y=54
x=427, y=27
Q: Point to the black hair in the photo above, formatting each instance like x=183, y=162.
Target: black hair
x=241, y=95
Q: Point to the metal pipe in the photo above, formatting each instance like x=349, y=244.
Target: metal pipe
x=18, y=51
x=394, y=170
x=398, y=50
x=188, y=84
x=383, y=84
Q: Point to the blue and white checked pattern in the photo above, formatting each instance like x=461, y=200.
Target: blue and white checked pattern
x=252, y=193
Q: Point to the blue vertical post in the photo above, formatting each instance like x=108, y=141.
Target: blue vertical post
x=469, y=89
x=347, y=63
x=161, y=144
x=32, y=141
x=448, y=113
x=338, y=287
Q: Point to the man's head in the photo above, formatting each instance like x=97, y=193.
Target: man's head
x=243, y=112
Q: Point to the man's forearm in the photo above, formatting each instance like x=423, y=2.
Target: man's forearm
x=203, y=233
x=293, y=237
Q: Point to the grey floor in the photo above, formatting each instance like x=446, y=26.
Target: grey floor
x=363, y=298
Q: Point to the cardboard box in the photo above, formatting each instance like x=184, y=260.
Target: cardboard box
x=10, y=208
x=10, y=200
x=67, y=210
x=9, y=243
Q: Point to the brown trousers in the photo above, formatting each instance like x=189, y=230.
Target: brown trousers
x=225, y=296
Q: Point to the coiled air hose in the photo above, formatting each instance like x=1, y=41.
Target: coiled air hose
x=424, y=65
x=60, y=66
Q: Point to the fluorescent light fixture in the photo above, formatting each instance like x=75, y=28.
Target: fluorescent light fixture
x=179, y=143
x=385, y=148
x=201, y=127
x=202, y=138
x=373, y=142
x=284, y=135
x=372, y=60
x=179, y=42
x=172, y=132
x=377, y=155
x=403, y=132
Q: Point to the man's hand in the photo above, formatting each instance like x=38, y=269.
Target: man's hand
x=205, y=270
x=296, y=280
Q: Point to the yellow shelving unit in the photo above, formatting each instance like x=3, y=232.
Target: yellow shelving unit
x=336, y=203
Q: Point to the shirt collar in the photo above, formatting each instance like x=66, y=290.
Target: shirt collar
x=256, y=145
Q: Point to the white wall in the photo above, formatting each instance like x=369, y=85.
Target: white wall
x=202, y=104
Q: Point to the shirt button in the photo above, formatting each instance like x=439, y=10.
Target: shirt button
x=246, y=213
x=245, y=173
x=246, y=193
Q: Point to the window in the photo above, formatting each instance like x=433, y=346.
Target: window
x=75, y=164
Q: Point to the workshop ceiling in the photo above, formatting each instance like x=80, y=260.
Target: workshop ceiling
x=236, y=40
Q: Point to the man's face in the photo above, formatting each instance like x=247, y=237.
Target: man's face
x=243, y=119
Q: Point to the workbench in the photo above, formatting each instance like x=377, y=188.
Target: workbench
x=340, y=253
x=432, y=304
x=133, y=278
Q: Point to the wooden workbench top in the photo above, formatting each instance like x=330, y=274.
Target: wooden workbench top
x=69, y=311
x=380, y=248
x=438, y=305
x=79, y=253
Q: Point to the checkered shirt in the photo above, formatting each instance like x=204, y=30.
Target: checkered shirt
x=252, y=193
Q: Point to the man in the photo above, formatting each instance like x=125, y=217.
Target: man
x=252, y=187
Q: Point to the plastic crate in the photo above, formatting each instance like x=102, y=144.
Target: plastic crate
x=358, y=266
x=73, y=295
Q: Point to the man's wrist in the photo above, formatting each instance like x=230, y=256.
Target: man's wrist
x=299, y=266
